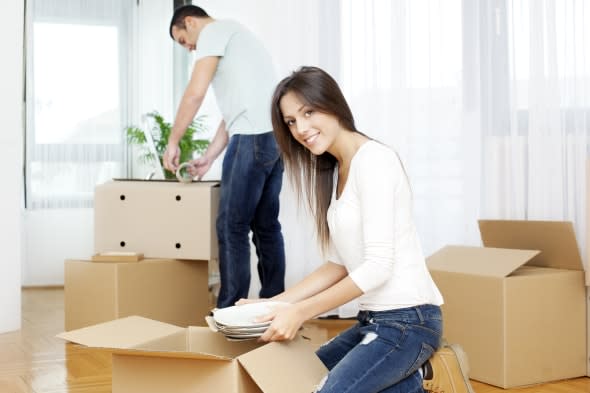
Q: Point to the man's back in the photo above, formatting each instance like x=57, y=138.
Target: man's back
x=245, y=76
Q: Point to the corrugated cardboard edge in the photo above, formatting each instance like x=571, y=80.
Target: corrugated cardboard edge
x=169, y=354
x=117, y=257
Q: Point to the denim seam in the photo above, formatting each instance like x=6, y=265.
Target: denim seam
x=417, y=364
x=234, y=160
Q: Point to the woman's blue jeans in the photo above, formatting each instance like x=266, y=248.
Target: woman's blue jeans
x=251, y=180
x=383, y=351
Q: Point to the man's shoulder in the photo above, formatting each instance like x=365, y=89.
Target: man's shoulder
x=220, y=25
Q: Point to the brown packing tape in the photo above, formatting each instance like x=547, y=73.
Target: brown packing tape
x=588, y=278
x=117, y=257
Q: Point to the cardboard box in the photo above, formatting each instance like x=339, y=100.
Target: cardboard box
x=159, y=219
x=154, y=357
x=168, y=290
x=519, y=314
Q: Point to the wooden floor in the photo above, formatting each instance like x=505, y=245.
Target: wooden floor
x=33, y=360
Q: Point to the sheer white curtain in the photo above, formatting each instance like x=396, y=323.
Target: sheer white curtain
x=151, y=75
x=536, y=110
x=402, y=70
x=487, y=102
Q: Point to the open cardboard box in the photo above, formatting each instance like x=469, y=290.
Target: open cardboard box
x=517, y=305
x=157, y=218
x=155, y=357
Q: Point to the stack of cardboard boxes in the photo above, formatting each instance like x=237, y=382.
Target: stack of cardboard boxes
x=172, y=226
x=146, y=310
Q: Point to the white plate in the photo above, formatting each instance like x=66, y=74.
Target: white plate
x=249, y=326
x=242, y=330
x=244, y=315
x=243, y=335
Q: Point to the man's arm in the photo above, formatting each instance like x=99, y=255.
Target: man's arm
x=193, y=96
x=201, y=165
x=218, y=143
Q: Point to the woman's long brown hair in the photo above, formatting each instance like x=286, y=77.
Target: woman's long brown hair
x=312, y=176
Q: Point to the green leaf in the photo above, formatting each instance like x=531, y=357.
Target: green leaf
x=160, y=131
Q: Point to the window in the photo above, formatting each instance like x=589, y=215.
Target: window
x=76, y=100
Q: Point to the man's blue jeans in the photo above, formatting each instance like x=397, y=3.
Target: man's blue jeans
x=251, y=181
x=383, y=351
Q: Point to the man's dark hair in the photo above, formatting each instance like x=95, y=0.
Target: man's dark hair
x=182, y=12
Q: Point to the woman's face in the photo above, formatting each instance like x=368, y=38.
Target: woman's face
x=315, y=130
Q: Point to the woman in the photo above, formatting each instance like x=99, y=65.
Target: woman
x=359, y=194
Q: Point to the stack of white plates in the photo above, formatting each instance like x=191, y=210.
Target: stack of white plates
x=239, y=322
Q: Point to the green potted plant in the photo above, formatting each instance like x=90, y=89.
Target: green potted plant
x=160, y=133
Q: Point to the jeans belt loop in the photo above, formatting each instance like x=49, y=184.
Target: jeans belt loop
x=419, y=312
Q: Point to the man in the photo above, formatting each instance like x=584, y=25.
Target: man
x=235, y=63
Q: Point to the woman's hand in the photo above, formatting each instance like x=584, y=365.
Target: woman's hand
x=286, y=321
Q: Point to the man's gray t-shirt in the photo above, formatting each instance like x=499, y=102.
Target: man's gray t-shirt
x=245, y=78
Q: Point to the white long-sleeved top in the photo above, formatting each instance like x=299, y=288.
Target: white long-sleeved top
x=372, y=233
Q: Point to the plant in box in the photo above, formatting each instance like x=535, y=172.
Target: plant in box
x=160, y=132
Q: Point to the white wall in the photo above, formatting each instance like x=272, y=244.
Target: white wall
x=11, y=162
x=51, y=236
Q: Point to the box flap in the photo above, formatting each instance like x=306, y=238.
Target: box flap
x=285, y=367
x=202, y=340
x=481, y=261
x=124, y=333
x=555, y=239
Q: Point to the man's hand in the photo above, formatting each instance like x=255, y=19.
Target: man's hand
x=200, y=166
x=171, y=157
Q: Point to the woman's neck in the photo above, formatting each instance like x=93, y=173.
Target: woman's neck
x=346, y=147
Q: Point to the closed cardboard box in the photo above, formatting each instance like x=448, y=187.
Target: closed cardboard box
x=154, y=357
x=517, y=305
x=160, y=219
x=167, y=290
